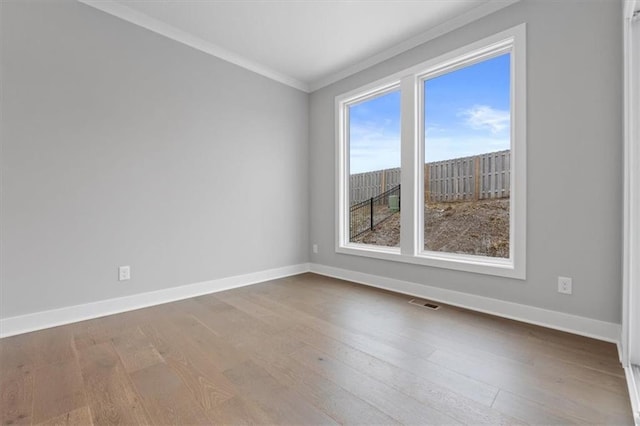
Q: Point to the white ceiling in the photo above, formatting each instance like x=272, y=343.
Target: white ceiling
x=304, y=43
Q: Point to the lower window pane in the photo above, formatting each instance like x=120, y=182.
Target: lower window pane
x=374, y=164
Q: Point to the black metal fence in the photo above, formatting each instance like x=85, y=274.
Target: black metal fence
x=364, y=216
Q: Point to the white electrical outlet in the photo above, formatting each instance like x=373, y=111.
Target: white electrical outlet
x=315, y=248
x=564, y=285
x=124, y=273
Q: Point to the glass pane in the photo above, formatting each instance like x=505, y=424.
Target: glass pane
x=467, y=159
x=374, y=166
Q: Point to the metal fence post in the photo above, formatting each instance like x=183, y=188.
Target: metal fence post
x=371, y=204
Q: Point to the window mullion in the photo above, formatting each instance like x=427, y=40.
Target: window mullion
x=408, y=159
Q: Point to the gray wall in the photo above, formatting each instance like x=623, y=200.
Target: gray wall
x=122, y=147
x=574, y=108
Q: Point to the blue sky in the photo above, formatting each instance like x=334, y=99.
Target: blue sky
x=466, y=113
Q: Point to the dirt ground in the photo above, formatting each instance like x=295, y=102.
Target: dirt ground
x=466, y=227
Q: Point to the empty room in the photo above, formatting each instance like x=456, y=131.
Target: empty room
x=305, y=212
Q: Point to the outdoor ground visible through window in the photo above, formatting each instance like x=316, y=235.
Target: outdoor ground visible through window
x=465, y=227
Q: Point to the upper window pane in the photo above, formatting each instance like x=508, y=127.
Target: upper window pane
x=374, y=169
x=467, y=142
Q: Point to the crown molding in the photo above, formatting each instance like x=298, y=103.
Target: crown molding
x=130, y=15
x=126, y=13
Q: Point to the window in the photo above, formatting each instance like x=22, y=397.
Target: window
x=431, y=162
x=374, y=169
x=467, y=141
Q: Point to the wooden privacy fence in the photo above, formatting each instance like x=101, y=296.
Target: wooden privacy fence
x=466, y=178
x=469, y=178
x=364, y=186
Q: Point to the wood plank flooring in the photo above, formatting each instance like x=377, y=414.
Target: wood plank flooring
x=308, y=350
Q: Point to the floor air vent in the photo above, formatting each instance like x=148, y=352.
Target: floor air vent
x=424, y=304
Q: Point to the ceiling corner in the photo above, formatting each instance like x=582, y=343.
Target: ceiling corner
x=142, y=20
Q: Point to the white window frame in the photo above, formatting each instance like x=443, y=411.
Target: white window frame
x=411, y=248
x=630, y=339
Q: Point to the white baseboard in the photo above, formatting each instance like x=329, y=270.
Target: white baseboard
x=583, y=326
x=46, y=319
x=634, y=393
x=601, y=330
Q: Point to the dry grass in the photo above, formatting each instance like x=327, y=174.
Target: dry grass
x=466, y=227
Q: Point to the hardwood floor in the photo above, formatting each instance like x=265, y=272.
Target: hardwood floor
x=308, y=350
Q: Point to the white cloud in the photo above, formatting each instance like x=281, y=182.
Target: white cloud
x=434, y=129
x=374, y=146
x=484, y=117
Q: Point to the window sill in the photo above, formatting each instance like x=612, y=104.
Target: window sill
x=466, y=263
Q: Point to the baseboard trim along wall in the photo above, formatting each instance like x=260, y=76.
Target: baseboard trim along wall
x=596, y=329
x=633, y=385
x=583, y=326
x=53, y=318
